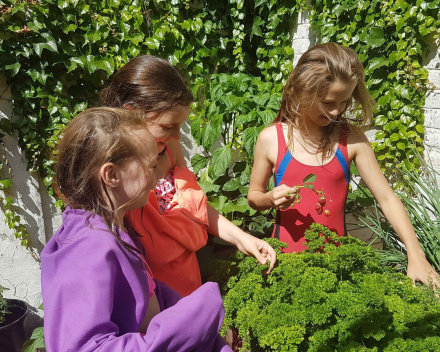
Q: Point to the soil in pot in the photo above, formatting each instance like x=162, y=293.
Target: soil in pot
x=12, y=332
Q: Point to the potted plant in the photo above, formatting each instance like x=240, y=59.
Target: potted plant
x=13, y=313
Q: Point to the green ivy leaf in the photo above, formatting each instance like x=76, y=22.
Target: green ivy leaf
x=377, y=62
x=375, y=37
x=14, y=68
x=256, y=30
x=6, y=183
x=108, y=65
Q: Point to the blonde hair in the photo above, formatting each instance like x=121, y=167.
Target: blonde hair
x=94, y=137
x=318, y=68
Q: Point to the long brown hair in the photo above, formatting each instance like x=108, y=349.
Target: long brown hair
x=94, y=137
x=317, y=69
x=147, y=83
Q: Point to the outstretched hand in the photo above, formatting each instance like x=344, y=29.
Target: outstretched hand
x=261, y=250
x=419, y=269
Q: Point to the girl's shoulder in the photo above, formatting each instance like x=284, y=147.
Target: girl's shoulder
x=356, y=141
x=355, y=135
x=268, y=134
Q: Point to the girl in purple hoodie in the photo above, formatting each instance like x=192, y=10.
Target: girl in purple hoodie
x=98, y=292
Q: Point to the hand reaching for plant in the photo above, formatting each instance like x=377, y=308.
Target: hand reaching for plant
x=419, y=269
x=261, y=250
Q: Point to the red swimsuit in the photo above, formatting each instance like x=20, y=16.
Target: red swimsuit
x=333, y=178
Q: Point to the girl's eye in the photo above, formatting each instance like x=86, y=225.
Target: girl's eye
x=168, y=127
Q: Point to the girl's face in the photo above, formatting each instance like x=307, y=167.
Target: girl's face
x=165, y=125
x=333, y=103
x=139, y=176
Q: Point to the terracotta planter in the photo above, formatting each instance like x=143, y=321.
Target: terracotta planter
x=12, y=332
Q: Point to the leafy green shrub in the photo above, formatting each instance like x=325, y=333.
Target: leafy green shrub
x=244, y=105
x=331, y=297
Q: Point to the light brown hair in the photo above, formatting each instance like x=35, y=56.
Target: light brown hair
x=309, y=83
x=147, y=83
x=94, y=137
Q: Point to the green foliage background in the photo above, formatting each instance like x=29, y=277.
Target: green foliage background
x=57, y=54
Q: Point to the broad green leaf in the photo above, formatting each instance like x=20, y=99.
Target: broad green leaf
x=231, y=185
x=211, y=132
x=232, y=102
x=196, y=131
x=250, y=136
x=198, y=162
x=220, y=161
x=267, y=116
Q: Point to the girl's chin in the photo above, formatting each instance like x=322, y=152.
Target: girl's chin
x=160, y=147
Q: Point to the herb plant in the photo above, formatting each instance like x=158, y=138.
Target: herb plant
x=334, y=296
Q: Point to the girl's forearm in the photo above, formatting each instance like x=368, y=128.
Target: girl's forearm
x=397, y=216
x=221, y=227
x=260, y=201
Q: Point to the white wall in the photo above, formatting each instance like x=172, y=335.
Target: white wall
x=432, y=108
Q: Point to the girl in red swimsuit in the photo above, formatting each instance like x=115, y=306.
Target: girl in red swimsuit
x=314, y=135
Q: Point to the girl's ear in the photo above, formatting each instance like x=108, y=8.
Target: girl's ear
x=109, y=175
x=128, y=106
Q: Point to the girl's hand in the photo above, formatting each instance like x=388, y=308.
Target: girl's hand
x=283, y=196
x=419, y=269
x=261, y=250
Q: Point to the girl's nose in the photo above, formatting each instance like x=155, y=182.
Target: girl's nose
x=334, y=112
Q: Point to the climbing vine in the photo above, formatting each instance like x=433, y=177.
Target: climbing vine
x=57, y=54
x=64, y=51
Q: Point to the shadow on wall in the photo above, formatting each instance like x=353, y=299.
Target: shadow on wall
x=31, y=199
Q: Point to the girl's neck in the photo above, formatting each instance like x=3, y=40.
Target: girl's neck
x=311, y=134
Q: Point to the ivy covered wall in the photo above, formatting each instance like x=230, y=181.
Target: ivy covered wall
x=56, y=55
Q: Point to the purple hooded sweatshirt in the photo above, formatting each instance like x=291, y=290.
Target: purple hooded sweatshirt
x=95, y=295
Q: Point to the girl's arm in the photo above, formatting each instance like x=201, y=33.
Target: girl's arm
x=259, y=198
x=221, y=227
x=227, y=231
x=363, y=155
x=83, y=286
